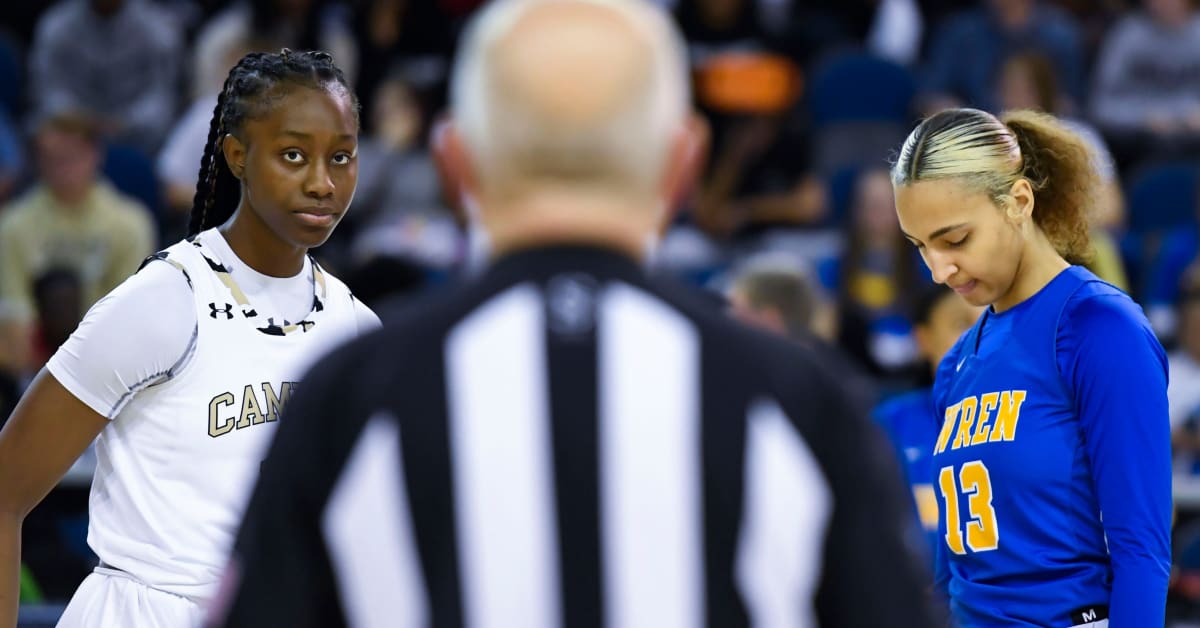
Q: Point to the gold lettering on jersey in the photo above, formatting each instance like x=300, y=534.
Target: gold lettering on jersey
x=966, y=419
x=251, y=411
x=1007, y=415
x=987, y=403
x=217, y=426
x=229, y=411
x=275, y=403
x=947, y=427
x=993, y=416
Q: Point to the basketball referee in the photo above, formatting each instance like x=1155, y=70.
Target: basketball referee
x=564, y=442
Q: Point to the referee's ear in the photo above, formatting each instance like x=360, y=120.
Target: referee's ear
x=685, y=162
x=455, y=170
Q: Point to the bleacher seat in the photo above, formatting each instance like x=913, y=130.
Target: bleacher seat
x=132, y=172
x=11, y=76
x=1162, y=197
x=861, y=110
x=860, y=87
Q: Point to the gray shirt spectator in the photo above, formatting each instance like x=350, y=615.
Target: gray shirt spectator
x=968, y=50
x=117, y=58
x=1148, y=72
x=233, y=31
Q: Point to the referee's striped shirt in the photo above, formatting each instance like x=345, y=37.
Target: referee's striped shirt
x=566, y=443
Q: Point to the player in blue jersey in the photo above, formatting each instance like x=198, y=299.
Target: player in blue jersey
x=939, y=317
x=1052, y=464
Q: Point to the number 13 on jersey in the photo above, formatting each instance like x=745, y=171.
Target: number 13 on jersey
x=973, y=480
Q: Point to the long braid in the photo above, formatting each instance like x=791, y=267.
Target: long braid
x=206, y=183
x=245, y=95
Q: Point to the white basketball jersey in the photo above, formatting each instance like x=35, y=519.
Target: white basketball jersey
x=175, y=467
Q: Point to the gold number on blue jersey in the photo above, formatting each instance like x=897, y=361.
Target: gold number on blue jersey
x=982, y=532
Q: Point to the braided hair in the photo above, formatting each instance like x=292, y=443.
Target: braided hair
x=250, y=90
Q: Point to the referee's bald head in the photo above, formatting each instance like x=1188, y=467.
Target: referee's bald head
x=591, y=95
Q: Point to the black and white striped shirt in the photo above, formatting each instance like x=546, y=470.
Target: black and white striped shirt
x=566, y=443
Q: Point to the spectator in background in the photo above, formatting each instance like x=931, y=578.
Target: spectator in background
x=1028, y=81
x=714, y=26
x=397, y=210
x=58, y=296
x=178, y=163
x=938, y=11
x=747, y=76
x=1146, y=85
x=412, y=37
x=783, y=298
x=12, y=156
x=256, y=25
x=71, y=218
x=16, y=349
x=1178, y=251
x=759, y=179
x=910, y=420
x=875, y=276
x=896, y=31
x=1183, y=391
x=117, y=58
x=968, y=50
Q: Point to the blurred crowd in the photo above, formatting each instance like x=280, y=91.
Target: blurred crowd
x=105, y=108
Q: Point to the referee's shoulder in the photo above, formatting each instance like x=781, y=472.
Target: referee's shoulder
x=803, y=377
x=409, y=325
x=779, y=366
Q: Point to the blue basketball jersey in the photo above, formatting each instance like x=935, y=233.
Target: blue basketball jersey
x=1052, y=464
x=910, y=422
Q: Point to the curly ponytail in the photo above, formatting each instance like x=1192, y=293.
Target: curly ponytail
x=1058, y=164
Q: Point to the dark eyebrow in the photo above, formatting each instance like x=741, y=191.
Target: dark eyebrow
x=307, y=136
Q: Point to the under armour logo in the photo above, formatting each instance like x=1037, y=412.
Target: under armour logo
x=227, y=311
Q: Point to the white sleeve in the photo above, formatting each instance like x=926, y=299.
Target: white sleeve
x=368, y=321
x=137, y=336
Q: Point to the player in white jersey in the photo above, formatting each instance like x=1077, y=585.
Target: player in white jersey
x=182, y=370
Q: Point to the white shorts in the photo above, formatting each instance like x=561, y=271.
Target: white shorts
x=109, y=598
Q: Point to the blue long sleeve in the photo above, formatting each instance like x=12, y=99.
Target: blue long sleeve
x=1117, y=371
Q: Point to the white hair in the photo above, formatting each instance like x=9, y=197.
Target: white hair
x=629, y=146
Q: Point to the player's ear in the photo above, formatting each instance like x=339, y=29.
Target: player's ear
x=1020, y=206
x=235, y=154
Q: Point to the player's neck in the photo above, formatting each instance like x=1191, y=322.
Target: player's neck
x=259, y=248
x=1040, y=263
